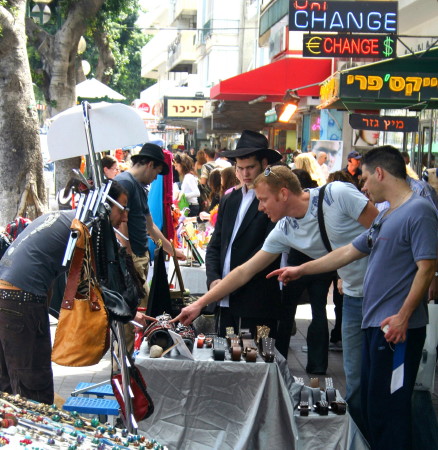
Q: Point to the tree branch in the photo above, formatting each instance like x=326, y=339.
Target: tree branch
x=35, y=33
x=106, y=60
x=6, y=19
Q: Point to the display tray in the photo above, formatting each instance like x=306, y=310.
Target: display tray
x=25, y=424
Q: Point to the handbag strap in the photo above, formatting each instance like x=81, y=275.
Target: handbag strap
x=321, y=222
x=82, y=251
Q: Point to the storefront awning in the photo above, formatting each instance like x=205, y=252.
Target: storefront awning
x=409, y=81
x=272, y=81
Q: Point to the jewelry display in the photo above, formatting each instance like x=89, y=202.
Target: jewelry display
x=36, y=426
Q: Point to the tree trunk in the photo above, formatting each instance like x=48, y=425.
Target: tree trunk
x=59, y=56
x=21, y=166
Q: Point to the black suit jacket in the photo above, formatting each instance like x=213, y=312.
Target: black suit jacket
x=259, y=297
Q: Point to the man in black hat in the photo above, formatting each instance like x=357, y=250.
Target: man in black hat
x=146, y=166
x=353, y=166
x=239, y=233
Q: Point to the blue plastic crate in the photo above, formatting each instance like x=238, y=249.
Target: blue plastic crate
x=98, y=406
x=105, y=390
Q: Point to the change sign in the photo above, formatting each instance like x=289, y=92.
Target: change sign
x=362, y=46
x=341, y=17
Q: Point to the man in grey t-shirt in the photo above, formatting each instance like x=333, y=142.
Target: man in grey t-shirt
x=402, y=244
x=347, y=213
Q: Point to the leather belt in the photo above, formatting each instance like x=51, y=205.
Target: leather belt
x=18, y=295
x=235, y=349
x=245, y=334
x=322, y=408
x=157, y=333
x=230, y=336
x=249, y=348
x=220, y=345
x=337, y=406
x=320, y=404
x=316, y=395
x=304, y=401
x=200, y=340
x=268, y=349
x=236, y=353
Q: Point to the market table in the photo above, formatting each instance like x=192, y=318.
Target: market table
x=207, y=404
x=194, y=277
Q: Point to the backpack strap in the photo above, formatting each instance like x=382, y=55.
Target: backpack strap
x=321, y=222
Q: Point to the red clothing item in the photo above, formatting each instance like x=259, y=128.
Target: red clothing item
x=168, y=229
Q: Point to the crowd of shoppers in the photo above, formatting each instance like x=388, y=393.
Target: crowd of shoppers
x=376, y=247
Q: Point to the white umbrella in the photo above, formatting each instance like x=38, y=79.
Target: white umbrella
x=95, y=89
x=113, y=125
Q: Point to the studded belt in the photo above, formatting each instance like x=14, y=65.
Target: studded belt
x=21, y=296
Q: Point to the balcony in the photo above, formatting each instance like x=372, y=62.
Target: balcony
x=182, y=9
x=181, y=53
x=218, y=27
x=154, y=54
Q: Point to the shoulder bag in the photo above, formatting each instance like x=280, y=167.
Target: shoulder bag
x=82, y=336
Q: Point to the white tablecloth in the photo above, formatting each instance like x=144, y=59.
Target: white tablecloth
x=194, y=277
x=207, y=404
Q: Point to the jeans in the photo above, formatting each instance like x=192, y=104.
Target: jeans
x=25, y=350
x=352, y=355
x=388, y=416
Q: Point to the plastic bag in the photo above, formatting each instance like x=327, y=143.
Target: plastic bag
x=183, y=204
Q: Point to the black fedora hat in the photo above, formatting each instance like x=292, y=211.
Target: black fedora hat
x=251, y=142
x=153, y=152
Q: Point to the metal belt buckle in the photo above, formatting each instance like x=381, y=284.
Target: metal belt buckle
x=322, y=408
x=303, y=407
x=339, y=407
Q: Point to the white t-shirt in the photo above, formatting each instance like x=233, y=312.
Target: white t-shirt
x=189, y=187
x=343, y=204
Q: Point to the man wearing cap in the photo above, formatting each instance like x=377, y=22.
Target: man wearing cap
x=353, y=166
x=239, y=233
x=146, y=165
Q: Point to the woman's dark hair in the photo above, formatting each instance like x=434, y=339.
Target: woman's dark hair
x=340, y=175
x=108, y=161
x=185, y=161
x=305, y=179
x=229, y=178
x=215, y=182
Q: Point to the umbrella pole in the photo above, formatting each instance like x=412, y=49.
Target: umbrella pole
x=96, y=171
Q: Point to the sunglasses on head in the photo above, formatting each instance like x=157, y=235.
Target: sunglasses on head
x=268, y=172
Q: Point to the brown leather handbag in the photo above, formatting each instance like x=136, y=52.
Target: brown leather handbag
x=82, y=336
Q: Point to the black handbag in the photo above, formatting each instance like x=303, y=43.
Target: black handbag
x=116, y=305
x=121, y=285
